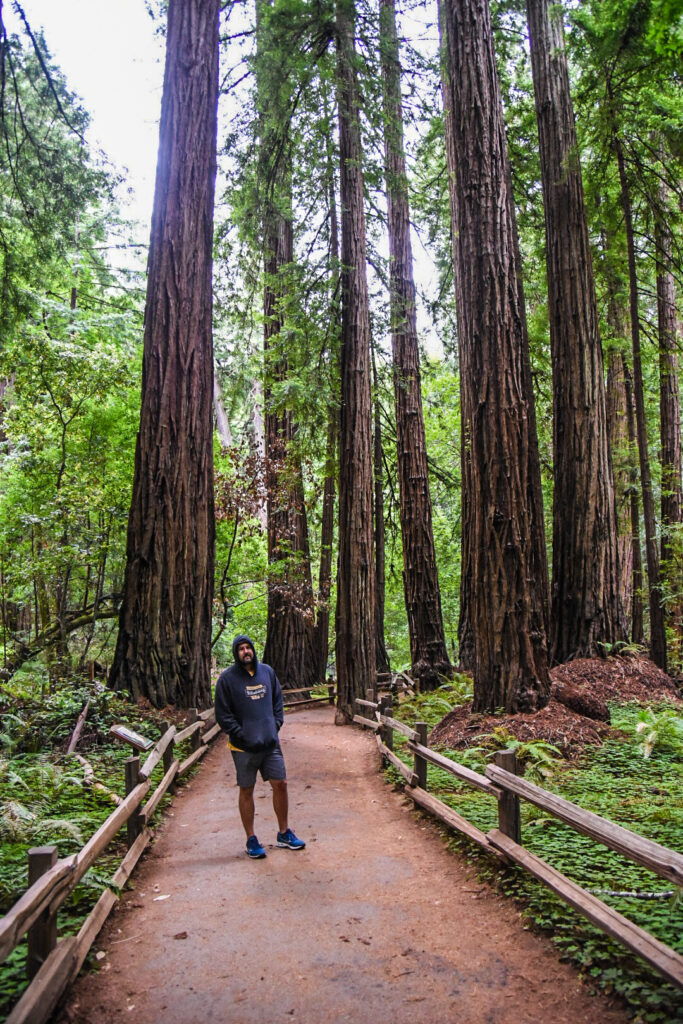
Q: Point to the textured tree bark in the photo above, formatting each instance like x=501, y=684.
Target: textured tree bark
x=289, y=631
x=669, y=404
x=465, y=637
x=321, y=633
x=620, y=440
x=669, y=400
x=507, y=597
x=657, y=630
x=355, y=640
x=257, y=439
x=381, y=657
x=290, y=623
x=586, y=610
x=637, y=611
x=222, y=422
x=428, y=653
x=164, y=641
x=617, y=430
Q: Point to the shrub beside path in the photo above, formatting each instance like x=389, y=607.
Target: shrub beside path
x=374, y=920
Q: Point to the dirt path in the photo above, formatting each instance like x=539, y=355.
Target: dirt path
x=374, y=921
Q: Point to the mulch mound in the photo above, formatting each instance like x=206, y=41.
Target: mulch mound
x=588, y=683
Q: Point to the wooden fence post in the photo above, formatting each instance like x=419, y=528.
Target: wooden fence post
x=169, y=753
x=386, y=706
x=133, y=825
x=195, y=738
x=420, y=765
x=42, y=936
x=509, y=821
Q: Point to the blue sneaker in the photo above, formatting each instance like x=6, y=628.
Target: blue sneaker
x=289, y=840
x=254, y=848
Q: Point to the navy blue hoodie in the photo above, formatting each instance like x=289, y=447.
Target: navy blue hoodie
x=249, y=708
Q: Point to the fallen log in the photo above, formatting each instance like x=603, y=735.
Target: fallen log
x=76, y=734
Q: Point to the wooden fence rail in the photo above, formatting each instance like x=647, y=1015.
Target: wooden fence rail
x=305, y=702
x=502, y=782
x=51, y=963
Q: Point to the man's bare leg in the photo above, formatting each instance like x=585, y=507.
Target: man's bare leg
x=246, y=808
x=280, y=803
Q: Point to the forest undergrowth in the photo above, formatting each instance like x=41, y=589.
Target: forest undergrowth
x=50, y=797
x=630, y=773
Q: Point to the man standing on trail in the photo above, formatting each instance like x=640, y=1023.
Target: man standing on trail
x=249, y=707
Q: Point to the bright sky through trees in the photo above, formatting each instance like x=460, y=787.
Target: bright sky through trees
x=113, y=60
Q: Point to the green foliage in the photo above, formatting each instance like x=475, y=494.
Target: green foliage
x=53, y=196
x=441, y=404
x=537, y=758
x=661, y=729
x=433, y=706
x=46, y=798
x=68, y=364
x=70, y=424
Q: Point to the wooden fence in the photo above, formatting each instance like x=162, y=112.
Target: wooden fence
x=506, y=787
x=305, y=701
x=53, y=964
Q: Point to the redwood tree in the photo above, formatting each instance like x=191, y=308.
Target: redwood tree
x=585, y=602
x=669, y=399
x=382, y=662
x=428, y=654
x=164, y=642
x=657, y=628
x=465, y=637
x=290, y=622
x=507, y=593
x=355, y=641
x=321, y=633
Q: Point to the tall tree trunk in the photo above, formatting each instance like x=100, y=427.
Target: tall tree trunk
x=657, y=630
x=465, y=635
x=257, y=437
x=355, y=644
x=321, y=634
x=163, y=651
x=290, y=622
x=637, y=613
x=669, y=402
x=585, y=606
x=428, y=653
x=617, y=430
x=381, y=657
x=222, y=422
x=507, y=600
x=622, y=446
x=622, y=434
x=289, y=634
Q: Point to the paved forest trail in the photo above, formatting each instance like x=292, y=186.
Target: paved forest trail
x=373, y=921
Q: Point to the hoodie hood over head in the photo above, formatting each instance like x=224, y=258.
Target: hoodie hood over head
x=243, y=640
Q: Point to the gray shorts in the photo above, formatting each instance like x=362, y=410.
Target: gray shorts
x=271, y=765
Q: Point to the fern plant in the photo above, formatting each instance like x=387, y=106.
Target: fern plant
x=538, y=758
x=663, y=729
